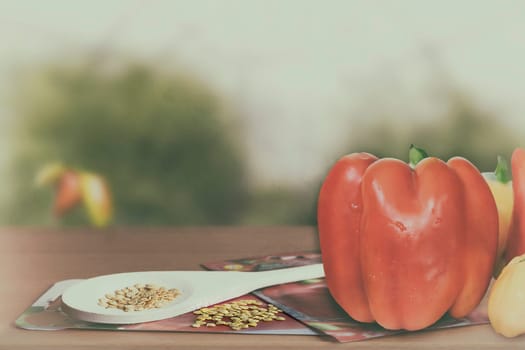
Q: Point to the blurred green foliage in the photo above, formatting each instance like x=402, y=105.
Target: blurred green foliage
x=170, y=148
x=282, y=206
x=463, y=130
x=164, y=142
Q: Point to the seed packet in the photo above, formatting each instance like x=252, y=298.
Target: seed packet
x=311, y=303
x=309, y=307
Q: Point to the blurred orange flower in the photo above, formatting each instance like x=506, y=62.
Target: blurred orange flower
x=77, y=187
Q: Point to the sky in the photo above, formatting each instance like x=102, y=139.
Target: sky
x=295, y=68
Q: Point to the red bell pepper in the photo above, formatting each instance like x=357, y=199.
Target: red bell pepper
x=516, y=236
x=403, y=245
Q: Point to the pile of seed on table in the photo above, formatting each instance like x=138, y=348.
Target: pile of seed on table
x=237, y=314
x=139, y=297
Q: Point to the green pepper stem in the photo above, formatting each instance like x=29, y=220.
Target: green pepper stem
x=502, y=171
x=415, y=155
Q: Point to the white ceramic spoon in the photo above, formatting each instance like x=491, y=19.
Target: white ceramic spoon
x=197, y=289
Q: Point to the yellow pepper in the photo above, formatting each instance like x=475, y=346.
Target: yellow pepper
x=500, y=185
x=97, y=199
x=507, y=299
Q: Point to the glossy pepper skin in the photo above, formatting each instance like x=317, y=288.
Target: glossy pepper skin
x=403, y=246
x=516, y=236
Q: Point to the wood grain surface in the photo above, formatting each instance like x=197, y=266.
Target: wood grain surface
x=32, y=259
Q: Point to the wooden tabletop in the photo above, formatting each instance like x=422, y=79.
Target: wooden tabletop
x=32, y=259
